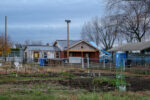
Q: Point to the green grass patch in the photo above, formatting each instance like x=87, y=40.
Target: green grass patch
x=66, y=75
x=109, y=81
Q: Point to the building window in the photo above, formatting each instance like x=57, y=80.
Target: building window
x=45, y=54
x=81, y=47
x=57, y=54
x=87, y=55
x=36, y=54
x=70, y=54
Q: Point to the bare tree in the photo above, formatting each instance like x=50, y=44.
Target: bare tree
x=101, y=32
x=134, y=18
x=90, y=32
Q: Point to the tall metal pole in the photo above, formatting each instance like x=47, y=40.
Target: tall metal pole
x=5, y=47
x=68, y=21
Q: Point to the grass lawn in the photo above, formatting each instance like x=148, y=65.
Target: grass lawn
x=49, y=91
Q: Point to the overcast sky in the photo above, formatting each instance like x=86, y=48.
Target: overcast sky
x=44, y=19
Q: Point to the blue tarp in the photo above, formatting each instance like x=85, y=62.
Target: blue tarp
x=105, y=52
x=103, y=57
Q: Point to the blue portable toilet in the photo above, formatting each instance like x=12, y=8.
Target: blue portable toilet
x=120, y=67
x=42, y=62
x=120, y=59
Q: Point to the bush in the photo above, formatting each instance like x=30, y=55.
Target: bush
x=108, y=81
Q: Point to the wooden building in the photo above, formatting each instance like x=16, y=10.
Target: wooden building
x=58, y=51
x=77, y=48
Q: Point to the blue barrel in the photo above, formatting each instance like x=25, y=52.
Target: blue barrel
x=42, y=62
x=120, y=59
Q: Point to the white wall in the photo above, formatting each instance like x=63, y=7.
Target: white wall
x=51, y=55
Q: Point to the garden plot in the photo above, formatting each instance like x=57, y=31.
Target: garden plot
x=71, y=84
x=40, y=90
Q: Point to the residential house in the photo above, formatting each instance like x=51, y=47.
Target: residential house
x=77, y=48
x=35, y=52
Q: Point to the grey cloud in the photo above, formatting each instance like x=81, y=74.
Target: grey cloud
x=44, y=19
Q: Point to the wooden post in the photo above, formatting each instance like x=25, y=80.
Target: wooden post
x=88, y=62
x=82, y=57
x=68, y=21
x=67, y=40
x=5, y=47
x=82, y=62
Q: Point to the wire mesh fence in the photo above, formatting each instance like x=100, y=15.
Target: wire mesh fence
x=133, y=64
x=92, y=75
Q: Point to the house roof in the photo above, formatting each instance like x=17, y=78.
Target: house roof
x=20, y=46
x=84, y=42
x=132, y=47
x=43, y=48
x=63, y=43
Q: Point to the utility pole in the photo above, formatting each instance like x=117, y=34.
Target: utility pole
x=5, y=47
x=67, y=21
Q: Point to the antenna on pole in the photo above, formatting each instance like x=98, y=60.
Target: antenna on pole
x=68, y=21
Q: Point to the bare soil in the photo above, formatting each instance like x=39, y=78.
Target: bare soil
x=85, y=79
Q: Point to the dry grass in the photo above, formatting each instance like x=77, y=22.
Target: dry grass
x=59, y=92
x=6, y=69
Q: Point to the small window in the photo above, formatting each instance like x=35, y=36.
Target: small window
x=57, y=54
x=81, y=47
x=36, y=54
x=45, y=54
x=70, y=54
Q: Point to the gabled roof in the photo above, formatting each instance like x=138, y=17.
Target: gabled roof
x=63, y=43
x=132, y=47
x=84, y=42
x=42, y=48
x=20, y=46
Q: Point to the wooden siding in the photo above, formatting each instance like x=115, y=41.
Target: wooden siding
x=83, y=47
